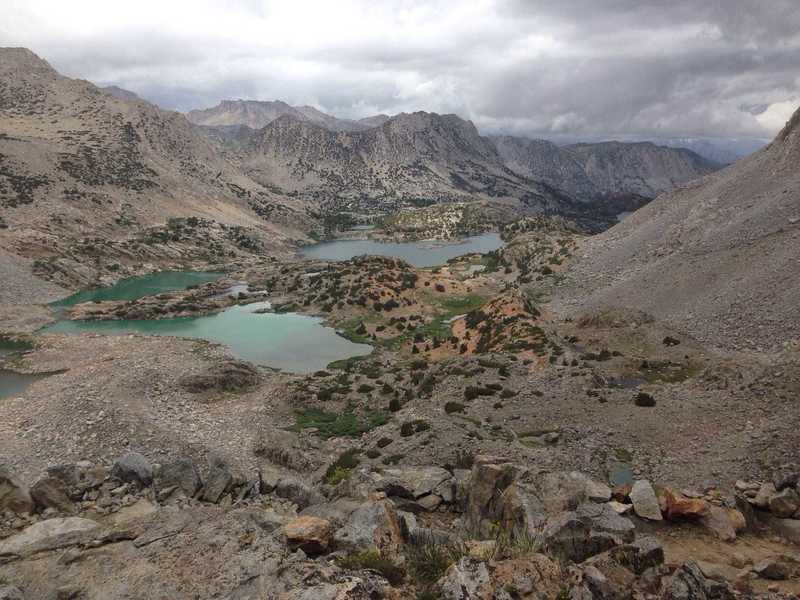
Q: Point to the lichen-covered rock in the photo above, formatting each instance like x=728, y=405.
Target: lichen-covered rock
x=218, y=481
x=50, y=535
x=133, y=468
x=785, y=503
x=181, y=474
x=689, y=583
x=645, y=502
x=679, y=508
x=14, y=496
x=373, y=525
x=490, y=478
x=310, y=534
x=585, y=532
x=49, y=492
x=468, y=579
x=299, y=492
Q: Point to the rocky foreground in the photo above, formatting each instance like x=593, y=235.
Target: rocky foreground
x=497, y=530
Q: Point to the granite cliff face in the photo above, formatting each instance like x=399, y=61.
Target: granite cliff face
x=594, y=171
x=416, y=158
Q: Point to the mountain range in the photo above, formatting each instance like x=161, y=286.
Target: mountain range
x=586, y=172
x=95, y=182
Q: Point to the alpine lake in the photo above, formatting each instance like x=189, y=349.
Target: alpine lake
x=287, y=341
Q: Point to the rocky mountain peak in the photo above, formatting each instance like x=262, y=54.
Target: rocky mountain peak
x=23, y=60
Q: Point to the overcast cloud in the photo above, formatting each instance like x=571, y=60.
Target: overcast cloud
x=561, y=67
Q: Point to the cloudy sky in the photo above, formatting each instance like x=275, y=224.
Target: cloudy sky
x=574, y=67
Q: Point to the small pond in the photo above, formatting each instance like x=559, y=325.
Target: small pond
x=134, y=288
x=296, y=343
x=428, y=253
x=14, y=384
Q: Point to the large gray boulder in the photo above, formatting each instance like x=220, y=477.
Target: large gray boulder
x=181, y=474
x=373, y=525
x=785, y=503
x=49, y=492
x=299, y=492
x=219, y=480
x=689, y=583
x=585, y=532
x=467, y=579
x=51, y=534
x=489, y=479
x=645, y=502
x=428, y=485
x=14, y=496
x=133, y=468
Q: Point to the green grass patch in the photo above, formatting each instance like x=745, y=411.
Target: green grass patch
x=343, y=424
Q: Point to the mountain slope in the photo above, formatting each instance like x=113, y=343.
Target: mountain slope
x=719, y=259
x=413, y=158
x=640, y=168
x=85, y=175
x=592, y=171
x=545, y=161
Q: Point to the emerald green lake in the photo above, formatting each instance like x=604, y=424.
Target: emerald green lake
x=418, y=254
x=291, y=342
x=134, y=288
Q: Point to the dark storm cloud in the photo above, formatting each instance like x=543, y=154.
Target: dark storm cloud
x=572, y=67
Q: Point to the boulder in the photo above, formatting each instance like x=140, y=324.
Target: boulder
x=785, y=503
x=133, y=468
x=336, y=512
x=766, y=492
x=373, y=525
x=416, y=482
x=49, y=492
x=787, y=476
x=680, y=508
x=219, y=480
x=299, y=492
x=14, y=496
x=597, y=491
x=9, y=592
x=468, y=579
x=722, y=522
x=521, y=510
x=645, y=503
x=585, y=532
x=229, y=376
x=489, y=479
x=620, y=508
x=689, y=583
x=777, y=568
x=788, y=529
x=181, y=474
x=312, y=535
x=50, y=534
x=647, y=552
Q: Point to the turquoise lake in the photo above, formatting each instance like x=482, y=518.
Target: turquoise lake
x=419, y=254
x=296, y=343
x=134, y=288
